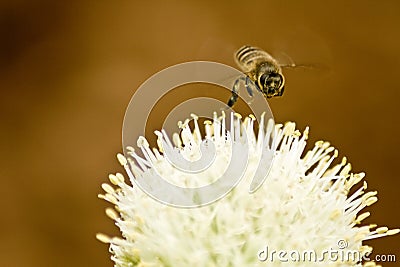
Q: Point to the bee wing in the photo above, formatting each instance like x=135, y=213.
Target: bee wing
x=319, y=67
x=288, y=63
x=293, y=65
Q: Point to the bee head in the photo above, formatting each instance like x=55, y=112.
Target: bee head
x=272, y=84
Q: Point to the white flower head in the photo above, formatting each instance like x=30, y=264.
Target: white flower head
x=303, y=205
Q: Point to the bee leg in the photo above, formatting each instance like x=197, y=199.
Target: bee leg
x=249, y=86
x=234, y=97
x=236, y=84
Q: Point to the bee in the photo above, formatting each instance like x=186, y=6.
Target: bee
x=262, y=72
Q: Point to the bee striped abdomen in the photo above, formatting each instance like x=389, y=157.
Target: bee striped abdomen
x=247, y=57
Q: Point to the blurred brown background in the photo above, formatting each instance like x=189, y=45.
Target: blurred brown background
x=68, y=71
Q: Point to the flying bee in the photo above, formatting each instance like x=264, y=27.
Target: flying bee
x=262, y=72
